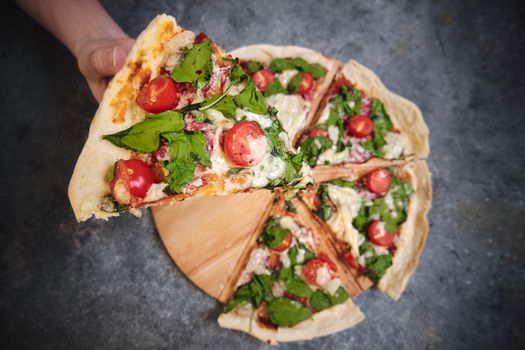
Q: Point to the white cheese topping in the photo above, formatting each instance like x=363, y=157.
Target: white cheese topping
x=155, y=192
x=285, y=259
x=292, y=111
x=332, y=286
x=348, y=203
x=395, y=144
x=286, y=75
x=300, y=255
x=380, y=250
x=288, y=223
x=306, y=237
x=323, y=275
x=330, y=156
x=278, y=289
x=257, y=263
x=264, y=121
x=270, y=168
x=333, y=133
x=389, y=201
x=220, y=164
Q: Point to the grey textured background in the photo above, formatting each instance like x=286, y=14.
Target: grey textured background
x=111, y=285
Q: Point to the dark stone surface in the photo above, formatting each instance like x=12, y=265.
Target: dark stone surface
x=111, y=285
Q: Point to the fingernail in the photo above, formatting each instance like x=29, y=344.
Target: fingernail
x=115, y=56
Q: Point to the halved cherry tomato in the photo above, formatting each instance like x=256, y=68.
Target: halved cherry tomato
x=285, y=244
x=379, y=180
x=245, y=144
x=132, y=180
x=378, y=234
x=158, y=95
x=307, y=83
x=311, y=267
x=350, y=260
x=360, y=125
x=200, y=38
x=263, y=78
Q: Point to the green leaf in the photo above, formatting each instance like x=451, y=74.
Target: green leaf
x=144, y=137
x=199, y=148
x=196, y=66
x=324, y=212
x=293, y=284
x=261, y=287
x=339, y=297
x=234, y=171
x=181, y=173
x=382, y=124
x=361, y=220
x=343, y=183
x=274, y=234
x=253, y=66
x=242, y=296
x=313, y=147
x=236, y=74
x=286, y=312
x=320, y=301
x=294, y=83
x=274, y=88
x=189, y=146
x=376, y=266
x=281, y=64
x=111, y=174
x=251, y=99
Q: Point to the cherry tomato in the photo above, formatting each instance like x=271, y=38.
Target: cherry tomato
x=263, y=78
x=311, y=267
x=132, y=180
x=360, y=126
x=200, y=38
x=285, y=244
x=378, y=234
x=350, y=260
x=245, y=144
x=158, y=95
x=307, y=83
x=379, y=180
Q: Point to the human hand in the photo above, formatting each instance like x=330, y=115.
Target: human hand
x=100, y=59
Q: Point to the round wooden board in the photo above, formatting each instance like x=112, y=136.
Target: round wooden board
x=207, y=237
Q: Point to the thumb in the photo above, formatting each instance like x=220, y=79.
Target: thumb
x=106, y=61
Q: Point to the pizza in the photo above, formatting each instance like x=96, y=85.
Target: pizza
x=293, y=80
x=359, y=120
x=290, y=287
x=181, y=119
x=378, y=219
x=344, y=156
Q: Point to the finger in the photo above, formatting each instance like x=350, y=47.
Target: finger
x=104, y=61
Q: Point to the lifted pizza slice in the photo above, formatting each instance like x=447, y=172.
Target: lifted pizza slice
x=378, y=218
x=360, y=119
x=293, y=80
x=181, y=119
x=291, y=287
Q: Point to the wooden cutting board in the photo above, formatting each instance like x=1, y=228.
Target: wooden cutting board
x=208, y=236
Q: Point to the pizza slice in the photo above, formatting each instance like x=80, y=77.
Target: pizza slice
x=378, y=218
x=293, y=80
x=360, y=119
x=180, y=119
x=291, y=287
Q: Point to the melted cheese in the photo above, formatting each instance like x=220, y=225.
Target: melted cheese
x=270, y=168
x=288, y=223
x=348, y=203
x=330, y=156
x=325, y=114
x=395, y=145
x=155, y=192
x=286, y=75
x=333, y=133
x=332, y=286
x=220, y=165
x=323, y=275
x=292, y=111
x=285, y=259
x=264, y=121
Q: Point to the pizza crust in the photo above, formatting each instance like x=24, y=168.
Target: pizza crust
x=117, y=112
x=405, y=115
x=328, y=321
x=413, y=235
x=265, y=53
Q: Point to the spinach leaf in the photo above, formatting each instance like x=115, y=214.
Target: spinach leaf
x=382, y=124
x=253, y=66
x=293, y=253
x=281, y=64
x=377, y=265
x=343, y=183
x=313, y=147
x=274, y=234
x=294, y=285
x=361, y=220
x=274, y=88
x=196, y=67
x=144, y=137
x=199, y=148
x=324, y=212
x=260, y=288
x=294, y=83
x=189, y=146
x=339, y=297
x=251, y=99
x=286, y=312
x=242, y=296
x=181, y=172
x=320, y=301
